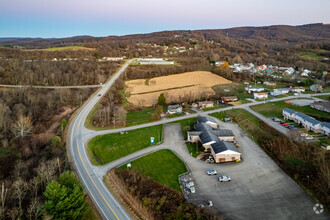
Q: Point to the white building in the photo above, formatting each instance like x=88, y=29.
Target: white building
x=305, y=72
x=297, y=89
x=289, y=71
x=251, y=89
x=325, y=128
x=261, y=95
x=282, y=90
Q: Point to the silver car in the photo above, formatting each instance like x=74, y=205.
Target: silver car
x=224, y=178
x=211, y=172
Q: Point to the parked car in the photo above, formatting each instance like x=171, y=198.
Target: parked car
x=224, y=178
x=303, y=134
x=99, y=94
x=309, y=138
x=192, y=189
x=211, y=172
x=285, y=124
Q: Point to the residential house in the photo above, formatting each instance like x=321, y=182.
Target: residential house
x=305, y=72
x=208, y=121
x=325, y=128
x=205, y=104
x=269, y=83
x=288, y=114
x=225, y=152
x=194, y=105
x=297, y=89
x=226, y=99
x=252, y=89
x=321, y=105
x=316, y=88
x=280, y=91
x=174, y=109
x=289, y=72
x=261, y=95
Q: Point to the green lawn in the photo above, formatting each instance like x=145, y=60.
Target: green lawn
x=274, y=109
x=163, y=166
x=139, y=117
x=66, y=48
x=132, y=118
x=313, y=55
x=325, y=97
x=216, y=106
x=248, y=122
x=110, y=147
x=192, y=149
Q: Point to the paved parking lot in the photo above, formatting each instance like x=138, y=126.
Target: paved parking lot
x=259, y=188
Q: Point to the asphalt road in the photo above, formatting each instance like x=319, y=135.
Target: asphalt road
x=51, y=87
x=103, y=200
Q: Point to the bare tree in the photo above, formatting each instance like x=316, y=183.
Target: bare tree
x=13, y=213
x=35, y=184
x=3, y=199
x=46, y=170
x=20, y=188
x=23, y=127
x=35, y=209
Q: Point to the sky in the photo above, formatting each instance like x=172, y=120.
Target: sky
x=66, y=18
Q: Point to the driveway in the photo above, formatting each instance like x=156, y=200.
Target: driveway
x=259, y=188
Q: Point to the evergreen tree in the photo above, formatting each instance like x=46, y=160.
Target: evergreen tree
x=65, y=198
x=161, y=100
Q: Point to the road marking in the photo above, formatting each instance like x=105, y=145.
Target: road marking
x=90, y=176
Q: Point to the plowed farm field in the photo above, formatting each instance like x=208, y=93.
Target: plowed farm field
x=176, y=88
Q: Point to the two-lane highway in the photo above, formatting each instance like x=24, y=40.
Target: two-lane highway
x=104, y=201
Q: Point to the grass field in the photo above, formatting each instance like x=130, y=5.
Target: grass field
x=192, y=149
x=312, y=54
x=216, y=106
x=110, y=147
x=139, y=117
x=65, y=48
x=163, y=166
x=248, y=122
x=274, y=109
x=325, y=97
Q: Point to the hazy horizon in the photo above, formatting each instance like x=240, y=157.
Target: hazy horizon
x=59, y=19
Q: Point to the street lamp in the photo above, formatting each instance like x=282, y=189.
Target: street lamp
x=308, y=180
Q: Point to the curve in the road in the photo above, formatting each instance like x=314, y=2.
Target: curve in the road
x=104, y=201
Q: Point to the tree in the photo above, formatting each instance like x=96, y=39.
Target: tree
x=23, y=127
x=56, y=142
x=20, y=189
x=161, y=100
x=65, y=198
x=63, y=124
x=158, y=112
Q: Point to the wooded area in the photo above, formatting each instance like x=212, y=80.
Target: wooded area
x=152, y=200
x=32, y=152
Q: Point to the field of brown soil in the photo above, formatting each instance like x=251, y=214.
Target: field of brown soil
x=176, y=88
